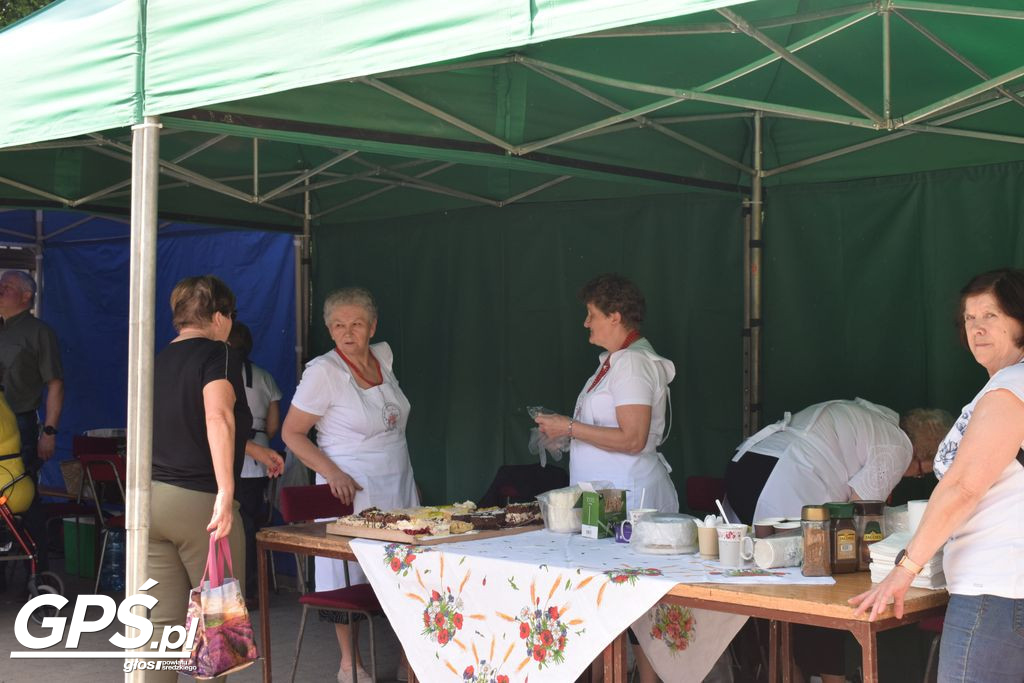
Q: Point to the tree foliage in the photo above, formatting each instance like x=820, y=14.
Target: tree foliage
x=12, y=10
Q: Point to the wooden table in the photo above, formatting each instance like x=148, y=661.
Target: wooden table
x=824, y=606
x=784, y=605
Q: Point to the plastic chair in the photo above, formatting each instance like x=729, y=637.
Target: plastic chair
x=701, y=493
x=102, y=466
x=304, y=504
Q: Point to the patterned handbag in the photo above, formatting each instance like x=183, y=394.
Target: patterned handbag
x=224, y=641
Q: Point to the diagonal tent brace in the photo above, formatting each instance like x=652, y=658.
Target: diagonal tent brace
x=382, y=190
x=815, y=75
x=438, y=113
x=306, y=174
x=108, y=191
x=945, y=47
x=959, y=97
x=642, y=121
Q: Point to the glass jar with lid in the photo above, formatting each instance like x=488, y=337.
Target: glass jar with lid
x=814, y=523
x=843, y=538
x=869, y=519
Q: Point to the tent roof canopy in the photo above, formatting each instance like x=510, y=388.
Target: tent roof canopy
x=489, y=104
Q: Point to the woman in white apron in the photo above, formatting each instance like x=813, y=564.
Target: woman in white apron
x=350, y=394
x=620, y=415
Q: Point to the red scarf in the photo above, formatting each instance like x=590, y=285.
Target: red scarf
x=358, y=374
x=607, y=365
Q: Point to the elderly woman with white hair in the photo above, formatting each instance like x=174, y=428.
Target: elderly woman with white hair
x=351, y=395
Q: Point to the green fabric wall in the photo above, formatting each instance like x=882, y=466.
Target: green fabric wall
x=480, y=307
x=861, y=281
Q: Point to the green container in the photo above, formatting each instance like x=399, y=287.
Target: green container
x=601, y=510
x=80, y=543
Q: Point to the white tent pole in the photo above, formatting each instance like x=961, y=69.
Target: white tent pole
x=756, y=247
x=141, y=331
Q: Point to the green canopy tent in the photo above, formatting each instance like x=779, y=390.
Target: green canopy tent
x=308, y=116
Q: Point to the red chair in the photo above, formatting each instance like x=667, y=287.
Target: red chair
x=304, y=504
x=932, y=625
x=105, y=473
x=701, y=493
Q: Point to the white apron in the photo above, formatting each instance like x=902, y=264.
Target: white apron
x=371, y=449
x=645, y=474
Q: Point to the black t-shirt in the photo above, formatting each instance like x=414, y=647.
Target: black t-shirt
x=181, y=451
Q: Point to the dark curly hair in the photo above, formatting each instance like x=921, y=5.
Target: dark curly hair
x=613, y=293
x=1007, y=286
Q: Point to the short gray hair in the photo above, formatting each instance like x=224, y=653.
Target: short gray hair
x=26, y=282
x=350, y=296
x=926, y=428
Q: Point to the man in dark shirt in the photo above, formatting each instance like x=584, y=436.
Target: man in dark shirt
x=30, y=361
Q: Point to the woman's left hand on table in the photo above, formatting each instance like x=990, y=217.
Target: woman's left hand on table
x=553, y=426
x=892, y=589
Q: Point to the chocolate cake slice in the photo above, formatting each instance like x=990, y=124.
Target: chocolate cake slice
x=521, y=514
x=482, y=520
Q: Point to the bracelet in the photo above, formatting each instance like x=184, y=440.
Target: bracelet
x=571, y=422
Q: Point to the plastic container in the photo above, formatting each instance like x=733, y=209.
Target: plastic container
x=112, y=572
x=664, y=534
x=559, y=512
x=814, y=521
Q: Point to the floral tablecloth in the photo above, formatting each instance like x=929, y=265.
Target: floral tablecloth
x=541, y=606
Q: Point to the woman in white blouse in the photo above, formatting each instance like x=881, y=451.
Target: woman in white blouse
x=620, y=415
x=351, y=395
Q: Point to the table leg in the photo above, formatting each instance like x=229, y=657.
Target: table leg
x=615, y=660
x=787, y=652
x=261, y=562
x=773, y=651
x=866, y=636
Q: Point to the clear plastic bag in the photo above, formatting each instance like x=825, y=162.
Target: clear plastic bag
x=540, y=444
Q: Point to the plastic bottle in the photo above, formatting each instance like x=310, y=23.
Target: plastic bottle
x=112, y=572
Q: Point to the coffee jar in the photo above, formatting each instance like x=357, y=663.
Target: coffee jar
x=868, y=518
x=814, y=524
x=842, y=538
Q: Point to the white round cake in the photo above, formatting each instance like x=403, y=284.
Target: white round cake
x=665, y=534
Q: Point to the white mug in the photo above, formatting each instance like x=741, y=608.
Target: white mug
x=779, y=551
x=731, y=543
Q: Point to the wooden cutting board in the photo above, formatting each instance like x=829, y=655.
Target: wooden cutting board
x=395, y=536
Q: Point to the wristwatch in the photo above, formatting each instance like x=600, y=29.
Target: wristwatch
x=50, y=430
x=903, y=560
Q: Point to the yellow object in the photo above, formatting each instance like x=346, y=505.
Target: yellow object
x=19, y=496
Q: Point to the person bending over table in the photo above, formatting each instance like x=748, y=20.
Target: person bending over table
x=837, y=451
x=620, y=415
x=351, y=395
x=979, y=501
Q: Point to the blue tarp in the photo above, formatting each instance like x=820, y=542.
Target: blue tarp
x=85, y=299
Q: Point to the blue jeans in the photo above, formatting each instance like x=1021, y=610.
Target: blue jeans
x=982, y=640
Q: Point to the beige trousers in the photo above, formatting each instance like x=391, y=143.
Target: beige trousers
x=178, y=546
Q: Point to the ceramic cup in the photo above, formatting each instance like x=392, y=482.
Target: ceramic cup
x=730, y=542
x=707, y=541
x=787, y=527
x=779, y=551
x=635, y=515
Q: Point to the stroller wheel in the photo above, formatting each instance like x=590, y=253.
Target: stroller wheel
x=46, y=611
x=49, y=579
